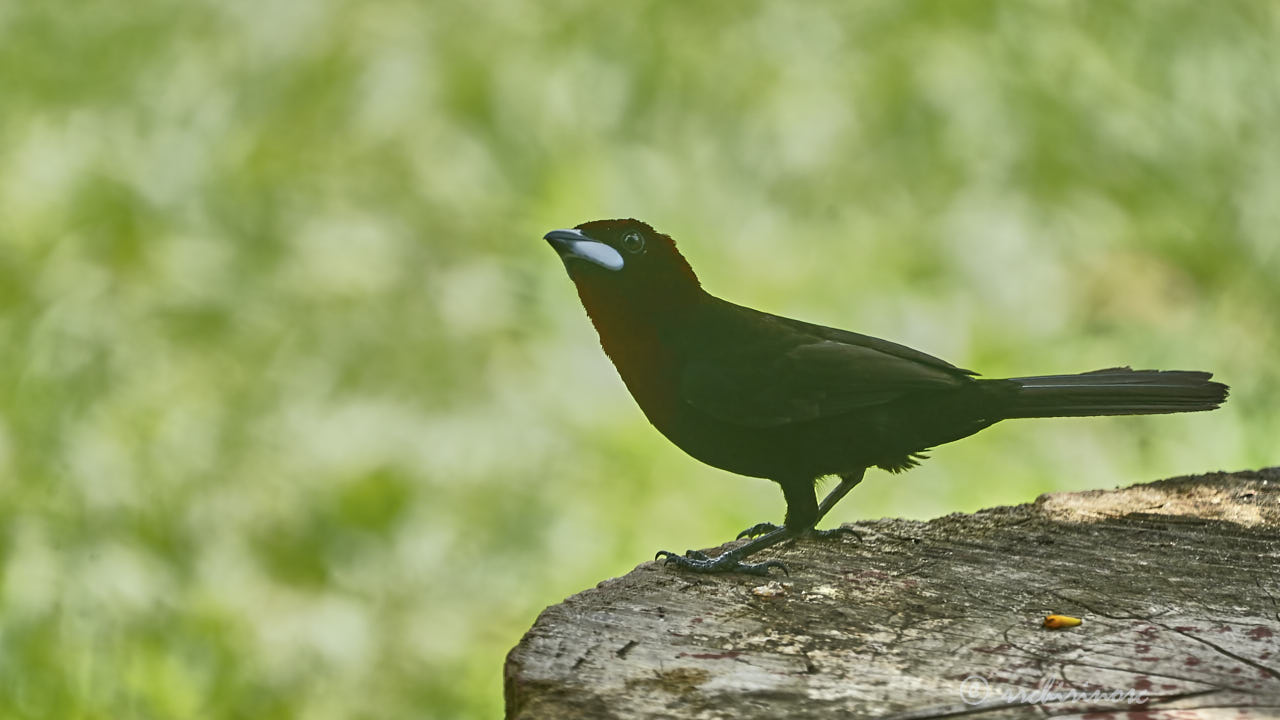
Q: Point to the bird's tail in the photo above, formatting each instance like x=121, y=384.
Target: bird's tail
x=1115, y=391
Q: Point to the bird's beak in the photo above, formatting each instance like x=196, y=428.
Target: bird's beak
x=573, y=244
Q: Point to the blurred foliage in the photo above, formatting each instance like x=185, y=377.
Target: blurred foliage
x=299, y=417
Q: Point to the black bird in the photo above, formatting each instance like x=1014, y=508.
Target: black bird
x=767, y=396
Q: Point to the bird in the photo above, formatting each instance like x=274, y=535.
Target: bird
x=767, y=396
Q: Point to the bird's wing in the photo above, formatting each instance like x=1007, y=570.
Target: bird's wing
x=852, y=338
x=797, y=373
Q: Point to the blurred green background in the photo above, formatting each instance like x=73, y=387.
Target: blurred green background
x=300, y=417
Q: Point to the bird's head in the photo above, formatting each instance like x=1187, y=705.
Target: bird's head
x=625, y=261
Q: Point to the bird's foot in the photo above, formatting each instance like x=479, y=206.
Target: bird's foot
x=758, y=529
x=834, y=532
x=697, y=561
x=767, y=527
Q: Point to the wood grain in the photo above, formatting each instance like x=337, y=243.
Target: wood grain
x=1176, y=582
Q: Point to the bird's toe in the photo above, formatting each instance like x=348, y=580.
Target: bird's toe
x=700, y=562
x=757, y=530
x=835, y=532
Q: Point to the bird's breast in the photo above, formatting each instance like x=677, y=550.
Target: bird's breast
x=650, y=370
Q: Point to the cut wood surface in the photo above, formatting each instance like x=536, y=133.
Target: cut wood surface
x=1176, y=582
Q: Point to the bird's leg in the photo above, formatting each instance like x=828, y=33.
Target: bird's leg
x=847, y=483
x=802, y=513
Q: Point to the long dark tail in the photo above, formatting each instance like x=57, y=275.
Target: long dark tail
x=1115, y=391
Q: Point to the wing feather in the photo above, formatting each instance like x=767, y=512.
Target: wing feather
x=798, y=372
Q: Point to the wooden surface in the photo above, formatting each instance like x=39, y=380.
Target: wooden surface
x=1177, y=583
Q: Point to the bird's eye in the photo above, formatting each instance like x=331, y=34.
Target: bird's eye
x=633, y=242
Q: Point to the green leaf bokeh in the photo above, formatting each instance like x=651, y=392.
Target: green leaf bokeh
x=299, y=417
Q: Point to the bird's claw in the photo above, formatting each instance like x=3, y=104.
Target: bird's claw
x=757, y=530
x=765, y=527
x=697, y=561
x=835, y=532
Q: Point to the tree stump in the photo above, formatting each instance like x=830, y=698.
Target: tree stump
x=1176, y=583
